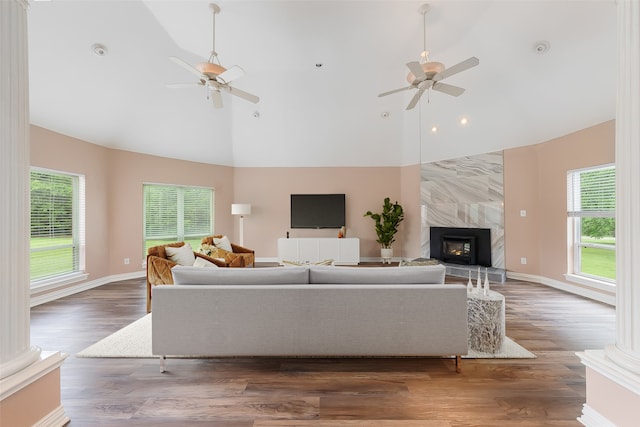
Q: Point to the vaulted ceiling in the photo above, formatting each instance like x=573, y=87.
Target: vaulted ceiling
x=327, y=115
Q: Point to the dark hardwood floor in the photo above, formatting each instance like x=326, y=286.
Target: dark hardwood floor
x=546, y=391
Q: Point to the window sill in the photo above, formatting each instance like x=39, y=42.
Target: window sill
x=590, y=282
x=58, y=281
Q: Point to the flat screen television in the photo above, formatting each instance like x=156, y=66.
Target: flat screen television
x=317, y=210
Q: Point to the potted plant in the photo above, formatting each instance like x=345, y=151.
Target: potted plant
x=387, y=226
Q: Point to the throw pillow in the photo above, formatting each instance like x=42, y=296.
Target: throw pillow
x=207, y=249
x=223, y=243
x=182, y=255
x=201, y=262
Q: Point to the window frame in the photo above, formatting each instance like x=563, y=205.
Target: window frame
x=180, y=219
x=575, y=215
x=78, y=234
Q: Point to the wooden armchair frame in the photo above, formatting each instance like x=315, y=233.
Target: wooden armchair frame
x=247, y=255
x=159, y=267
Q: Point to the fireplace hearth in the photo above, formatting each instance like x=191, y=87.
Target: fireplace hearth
x=466, y=246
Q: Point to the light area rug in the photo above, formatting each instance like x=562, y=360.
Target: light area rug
x=134, y=340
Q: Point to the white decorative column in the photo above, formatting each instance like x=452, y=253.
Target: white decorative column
x=29, y=378
x=613, y=375
x=15, y=349
x=626, y=351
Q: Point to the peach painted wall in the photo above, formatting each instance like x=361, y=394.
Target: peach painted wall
x=32, y=404
x=52, y=150
x=114, y=180
x=536, y=180
x=129, y=171
x=268, y=191
x=611, y=400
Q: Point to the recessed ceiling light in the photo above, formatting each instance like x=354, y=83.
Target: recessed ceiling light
x=384, y=114
x=541, y=47
x=98, y=49
x=434, y=128
x=463, y=121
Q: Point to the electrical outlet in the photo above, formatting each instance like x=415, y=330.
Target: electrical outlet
x=126, y=261
x=523, y=260
x=523, y=212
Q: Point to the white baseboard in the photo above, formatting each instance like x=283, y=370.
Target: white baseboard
x=64, y=291
x=606, y=298
x=56, y=418
x=592, y=418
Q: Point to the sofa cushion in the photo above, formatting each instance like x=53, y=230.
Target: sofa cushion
x=182, y=255
x=240, y=276
x=376, y=275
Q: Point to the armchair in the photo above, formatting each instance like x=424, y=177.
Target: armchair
x=159, y=267
x=239, y=256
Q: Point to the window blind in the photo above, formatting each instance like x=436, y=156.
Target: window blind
x=57, y=224
x=176, y=213
x=592, y=192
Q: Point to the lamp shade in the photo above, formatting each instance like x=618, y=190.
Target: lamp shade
x=240, y=209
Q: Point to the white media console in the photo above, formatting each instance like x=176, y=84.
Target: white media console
x=345, y=251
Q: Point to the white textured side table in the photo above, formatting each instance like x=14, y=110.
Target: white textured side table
x=486, y=321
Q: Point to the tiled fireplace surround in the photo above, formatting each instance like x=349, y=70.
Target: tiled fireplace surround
x=464, y=192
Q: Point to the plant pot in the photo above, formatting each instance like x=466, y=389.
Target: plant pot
x=386, y=254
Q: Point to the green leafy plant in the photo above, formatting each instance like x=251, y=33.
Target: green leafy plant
x=387, y=222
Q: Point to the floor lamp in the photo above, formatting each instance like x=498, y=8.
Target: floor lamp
x=241, y=209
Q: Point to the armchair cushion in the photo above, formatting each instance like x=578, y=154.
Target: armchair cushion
x=222, y=243
x=202, y=262
x=159, y=265
x=182, y=255
x=237, y=256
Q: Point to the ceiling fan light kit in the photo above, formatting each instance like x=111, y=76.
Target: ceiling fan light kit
x=212, y=75
x=425, y=75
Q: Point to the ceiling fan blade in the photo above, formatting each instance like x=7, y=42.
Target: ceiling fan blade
x=455, y=69
x=448, y=89
x=186, y=66
x=395, y=91
x=216, y=97
x=421, y=88
x=242, y=94
x=415, y=99
x=416, y=70
x=230, y=75
x=181, y=85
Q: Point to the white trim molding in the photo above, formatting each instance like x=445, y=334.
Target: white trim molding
x=592, y=418
x=607, y=298
x=38, y=298
x=47, y=363
x=56, y=418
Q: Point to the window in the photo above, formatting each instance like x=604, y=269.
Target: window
x=173, y=213
x=57, y=226
x=591, y=209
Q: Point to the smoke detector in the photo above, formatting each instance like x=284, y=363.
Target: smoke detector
x=541, y=47
x=98, y=49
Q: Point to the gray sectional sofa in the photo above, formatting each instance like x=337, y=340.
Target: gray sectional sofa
x=310, y=311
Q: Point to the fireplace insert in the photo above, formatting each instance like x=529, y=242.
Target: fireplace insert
x=459, y=250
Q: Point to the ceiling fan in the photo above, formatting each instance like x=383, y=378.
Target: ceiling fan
x=212, y=75
x=425, y=75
